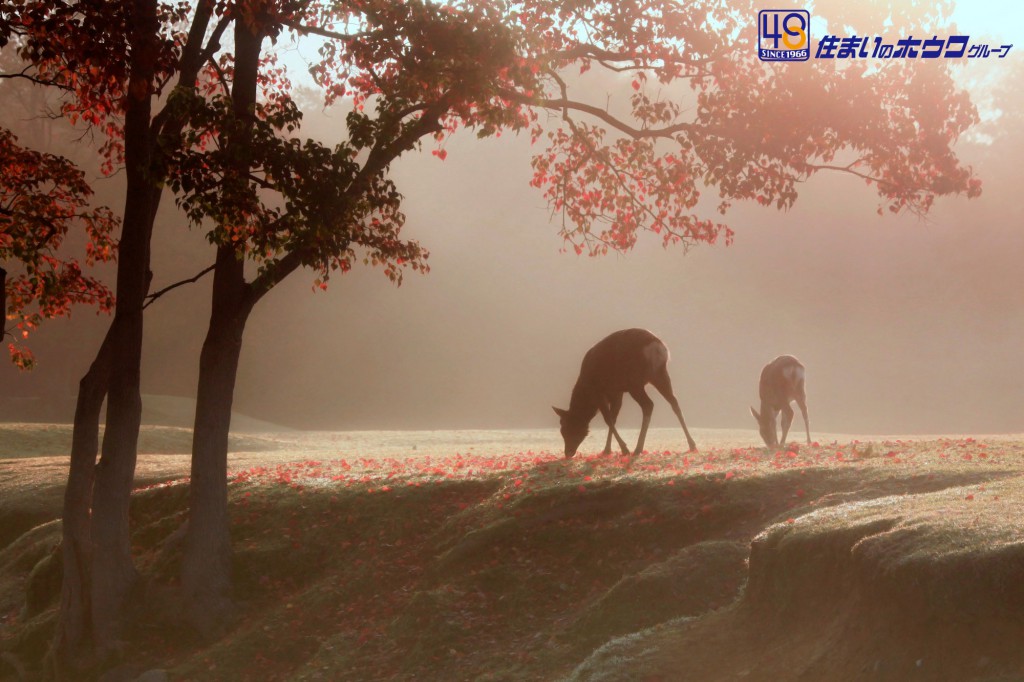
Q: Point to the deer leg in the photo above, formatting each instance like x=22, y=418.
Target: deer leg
x=787, y=420
x=802, y=404
x=609, y=419
x=614, y=405
x=647, y=407
x=664, y=386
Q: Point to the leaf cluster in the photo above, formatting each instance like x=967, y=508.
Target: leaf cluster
x=42, y=198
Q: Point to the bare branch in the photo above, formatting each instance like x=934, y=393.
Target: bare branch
x=23, y=74
x=157, y=294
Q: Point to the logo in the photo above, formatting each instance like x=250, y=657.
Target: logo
x=783, y=35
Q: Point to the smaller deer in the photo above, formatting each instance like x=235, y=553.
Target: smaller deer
x=782, y=381
x=625, y=361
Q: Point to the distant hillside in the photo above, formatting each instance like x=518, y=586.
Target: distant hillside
x=42, y=440
x=157, y=410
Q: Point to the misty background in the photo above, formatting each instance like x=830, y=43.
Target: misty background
x=905, y=325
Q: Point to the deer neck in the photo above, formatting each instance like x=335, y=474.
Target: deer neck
x=584, y=402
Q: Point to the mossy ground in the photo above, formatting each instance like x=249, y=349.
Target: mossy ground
x=834, y=562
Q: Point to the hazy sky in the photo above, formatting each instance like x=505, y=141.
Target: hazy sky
x=1001, y=18
x=904, y=325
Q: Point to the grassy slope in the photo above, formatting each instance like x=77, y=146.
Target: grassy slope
x=40, y=440
x=34, y=464
x=869, y=561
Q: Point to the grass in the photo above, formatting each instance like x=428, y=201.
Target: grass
x=885, y=560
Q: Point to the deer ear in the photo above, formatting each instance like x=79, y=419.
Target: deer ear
x=559, y=411
x=756, y=415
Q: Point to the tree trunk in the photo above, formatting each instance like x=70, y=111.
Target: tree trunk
x=113, y=574
x=3, y=302
x=71, y=651
x=206, y=568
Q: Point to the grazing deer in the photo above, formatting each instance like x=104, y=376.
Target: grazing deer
x=625, y=361
x=782, y=381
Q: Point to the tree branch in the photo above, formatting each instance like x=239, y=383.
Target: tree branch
x=383, y=153
x=193, y=56
x=23, y=74
x=272, y=275
x=618, y=173
x=213, y=44
x=848, y=169
x=564, y=103
x=590, y=51
x=157, y=294
x=316, y=30
x=221, y=76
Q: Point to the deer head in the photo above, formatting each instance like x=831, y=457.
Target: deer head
x=766, y=425
x=574, y=430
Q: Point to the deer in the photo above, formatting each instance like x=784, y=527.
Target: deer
x=782, y=382
x=623, y=362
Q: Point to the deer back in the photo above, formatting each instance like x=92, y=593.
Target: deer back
x=623, y=360
x=782, y=380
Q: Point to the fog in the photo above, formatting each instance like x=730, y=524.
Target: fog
x=904, y=325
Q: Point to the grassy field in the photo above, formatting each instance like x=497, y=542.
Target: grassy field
x=880, y=560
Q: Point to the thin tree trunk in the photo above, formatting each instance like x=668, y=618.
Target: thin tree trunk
x=3, y=302
x=113, y=573
x=206, y=567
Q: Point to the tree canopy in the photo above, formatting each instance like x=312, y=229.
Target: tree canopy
x=695, y=121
